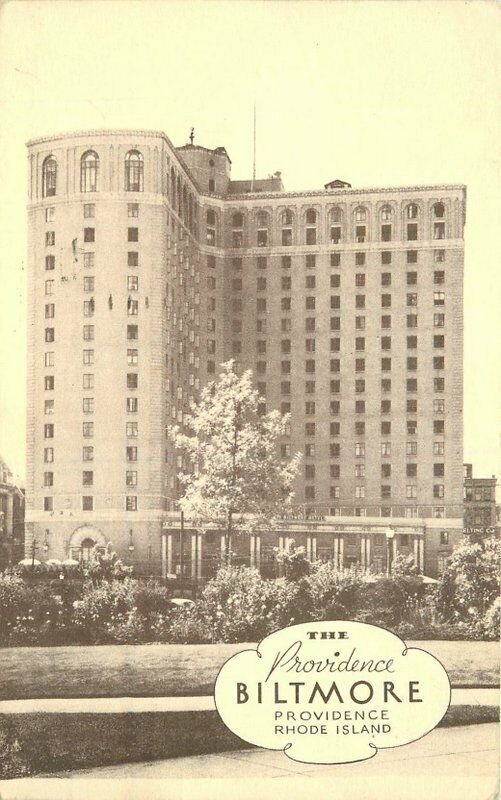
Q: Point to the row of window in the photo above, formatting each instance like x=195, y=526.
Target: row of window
x=335, y=280
x=360, y=494
x=88, y=503
x=89, y=173
x=335, y=259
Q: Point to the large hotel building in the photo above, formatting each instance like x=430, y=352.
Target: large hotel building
x=149, y=267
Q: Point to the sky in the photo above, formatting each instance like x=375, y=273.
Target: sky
x=375, y=93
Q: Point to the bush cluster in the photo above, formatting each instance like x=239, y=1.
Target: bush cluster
x=238, y=605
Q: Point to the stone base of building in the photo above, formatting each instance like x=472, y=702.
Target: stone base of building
x=160, y=547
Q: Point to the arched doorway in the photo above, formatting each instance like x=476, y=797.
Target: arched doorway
x=82, y=542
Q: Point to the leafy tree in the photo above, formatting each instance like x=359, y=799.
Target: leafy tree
x=471, y=581
x=238, y=482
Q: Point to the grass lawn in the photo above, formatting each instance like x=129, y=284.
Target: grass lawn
x=169, y=670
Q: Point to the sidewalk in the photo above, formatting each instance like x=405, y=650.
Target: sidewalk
x=118, y=705
x=453, y=763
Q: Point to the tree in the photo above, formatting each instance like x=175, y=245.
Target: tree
x=471, y=580
x=237, y=481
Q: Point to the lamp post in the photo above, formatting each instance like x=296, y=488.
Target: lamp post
x=390, y=535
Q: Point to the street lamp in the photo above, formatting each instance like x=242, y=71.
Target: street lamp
x=390, y=535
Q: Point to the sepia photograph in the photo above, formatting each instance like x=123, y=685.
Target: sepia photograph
x=249, y=399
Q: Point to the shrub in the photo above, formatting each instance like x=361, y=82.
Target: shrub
x=491, y=621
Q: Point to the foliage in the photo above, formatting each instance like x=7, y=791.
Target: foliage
x=237, y=480
x=404, y=565
x=121, y=610
x=106, y=566
x=471, y=581
x=294, y=561
x=491, y=621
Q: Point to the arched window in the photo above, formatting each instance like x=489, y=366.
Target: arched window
x=439, y=210
x=287, y=219
x=237, y=220
x=185, y=205
x=335, y=217
x=311, y=231
x=211, y=227
x=179, y=197
x=361, y=216
x=262, y=223
x=89, y=167
x=49, y=177
x=134, y=171
x=386, y=213
x=412, y=211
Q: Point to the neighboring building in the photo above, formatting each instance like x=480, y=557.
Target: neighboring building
x=149, y=267
x=11, y=518
x=480, y=515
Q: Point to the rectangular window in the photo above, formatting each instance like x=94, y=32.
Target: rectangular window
x=386, y=342
x=132, y=405
x=439, y=230
x=412, y=320
x=131, y=453
x=50, y=262
x=386, y=364
x=88, y=405
x=50, y=238
x=88, y=356
x=335, y=281
x=311, y=261
x=89, y=210
x=335, y=301
x=439, y=276
x=87, y=503
x=386, y=321
x=411, y=491
x=132, y=429
x=262, y=262
x=48, y=504
x=359, y=259
x=132, y=307
x=439, y=341
x=89, y=234
x=132, y=234
x=386, y=279
x=88, y=381
x=412, y=232
x=50, y=311
x=50, y=334
x=132, y=332
x=132, y=380
x=88, y=308
x=132, y=209
x=386, y=427
x=87, y=478
x=132, y=357
x=386, y=257
x=411, y=278
x=132, y=259
x=50, y=214
x=439, y=384
x=359, y=279
x=88, y=453
x=88, y=333
x=386, y=233
x=411, y=406
x=49, y=287
x=132, y=283
x=335, y=259
x=87, y=430
x=386, y=300
x=130, y=478
x=438, y=298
